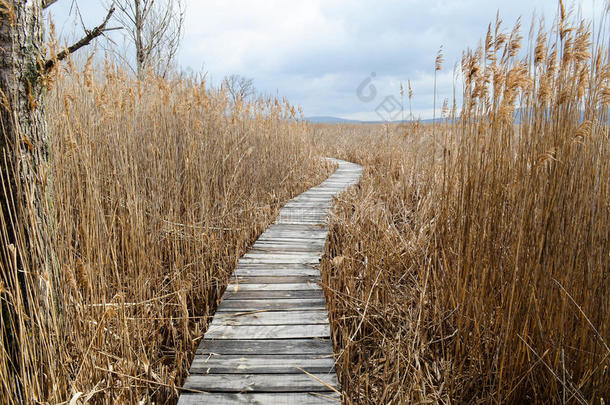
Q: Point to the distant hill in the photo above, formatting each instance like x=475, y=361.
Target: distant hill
x=330, y=120
x=337, y=120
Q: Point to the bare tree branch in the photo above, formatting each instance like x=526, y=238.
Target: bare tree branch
x=154, y=28
x=238, y=87
x=90, y=35
x=47, y=3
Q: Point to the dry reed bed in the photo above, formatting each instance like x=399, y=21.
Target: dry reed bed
x=158, y=188
x=472, y=262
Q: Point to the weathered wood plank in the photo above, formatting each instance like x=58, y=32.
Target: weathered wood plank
x=289, y=235
x=284, y=249
x=285, y=240
x=261, y=382
x=274, y=272
x=282, y=255
x=294, y=234
x=236, y=287
x=280, y=260
x=271, y=304
x=292, y=398
x=278, y=279
x=315, y=210
x=268, y=364
x=289, y=244
x=301, y=228
x=294, y=266
x=268, y=332
x=298, y=221
x=299, y=216
x=316, y=199
x=261, y=347
x=319, y=193
x=293, y=228
x=245, y=318
x=305, y=205
x=257, y=295
x=303, y=213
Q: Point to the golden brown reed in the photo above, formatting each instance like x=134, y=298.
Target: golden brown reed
x=158, y=187
x=472, y=263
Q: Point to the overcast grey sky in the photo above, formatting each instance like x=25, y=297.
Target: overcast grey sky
x=317, y=52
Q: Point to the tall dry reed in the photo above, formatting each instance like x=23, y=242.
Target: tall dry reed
x=472, y=263
x=158, y=187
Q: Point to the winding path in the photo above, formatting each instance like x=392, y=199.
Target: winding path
x=269, y=341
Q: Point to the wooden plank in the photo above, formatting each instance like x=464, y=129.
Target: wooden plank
x=288, y=246
x=304, y=212
x=293, y=216
x=273, y=272
x=300, y=219
x=261, y=382
x=298, y=216
x=316, y=199
x=319, y=193
x=322, y=193
x=236, y=287
x=295, y=248
x=275, y=279
x=312, y=218
x=264, y=239
x=282, y=255
x=293, y=266
x=288, y=238
x=303, y=237
x=336, y=186
x=292, y=398
x=271, y=304
x=320, y=347
x=287, y=294
x=295, y=233
x=301, y=228
x=245, y=318
x=268, y=364
x=291, y=241
x=316, y=209
x=286, y=259
x=293, y=221
x=268, y=332
x=281, y=258
x=305, y=205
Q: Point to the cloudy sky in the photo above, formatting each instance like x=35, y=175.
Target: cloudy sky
x=317, y=53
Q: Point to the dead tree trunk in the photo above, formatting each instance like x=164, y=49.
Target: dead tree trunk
x=24, y=143
x=24, y=149
x=139, y=41
x=29, y=277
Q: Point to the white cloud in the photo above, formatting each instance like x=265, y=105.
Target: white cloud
x=317, y=52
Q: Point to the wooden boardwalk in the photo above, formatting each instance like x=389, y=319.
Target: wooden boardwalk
x=269, y=341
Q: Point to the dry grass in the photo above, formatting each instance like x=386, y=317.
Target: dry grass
x=157, y=188
x=472, y=263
